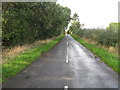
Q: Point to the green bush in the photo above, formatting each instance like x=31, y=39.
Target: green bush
x=101, y=36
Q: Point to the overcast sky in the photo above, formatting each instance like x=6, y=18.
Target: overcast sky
x=93, y=13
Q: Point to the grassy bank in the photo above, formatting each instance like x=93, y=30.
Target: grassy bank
x=18, y=63
x=108, y=58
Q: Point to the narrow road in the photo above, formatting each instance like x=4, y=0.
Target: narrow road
x=68, y=65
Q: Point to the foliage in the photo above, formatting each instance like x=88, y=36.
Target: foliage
x=26, y=22
x=110, y=59
x=113, y=26
x=75, y=17
x=75, y=27
x=18, y=63
x=106, y=37
x=75, y=24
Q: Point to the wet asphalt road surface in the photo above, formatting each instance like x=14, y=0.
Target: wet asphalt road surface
x=68, y=64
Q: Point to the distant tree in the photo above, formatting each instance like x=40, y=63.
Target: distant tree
x=113, y=26
x=75, y=17
x=75, y=24
x=75, y=27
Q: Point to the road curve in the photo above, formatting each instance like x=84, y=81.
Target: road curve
x=67, y=64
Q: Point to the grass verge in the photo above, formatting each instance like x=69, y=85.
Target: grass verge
x=18, y=63
x=110, y=59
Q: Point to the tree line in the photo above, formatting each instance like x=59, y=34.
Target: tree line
x=106, y=37
x=101, y=36
x=26, y=22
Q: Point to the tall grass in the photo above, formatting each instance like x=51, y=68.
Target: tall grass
x=8, y=54
x=111, y=49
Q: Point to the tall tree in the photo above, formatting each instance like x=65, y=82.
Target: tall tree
x=26, y=22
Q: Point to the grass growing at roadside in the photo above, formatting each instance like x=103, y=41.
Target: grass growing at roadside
x=110, y=59
x=18, y=63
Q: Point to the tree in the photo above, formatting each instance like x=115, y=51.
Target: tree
x=75, y=25
x=75, y=17
x=113, y=26
x=26, y=22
